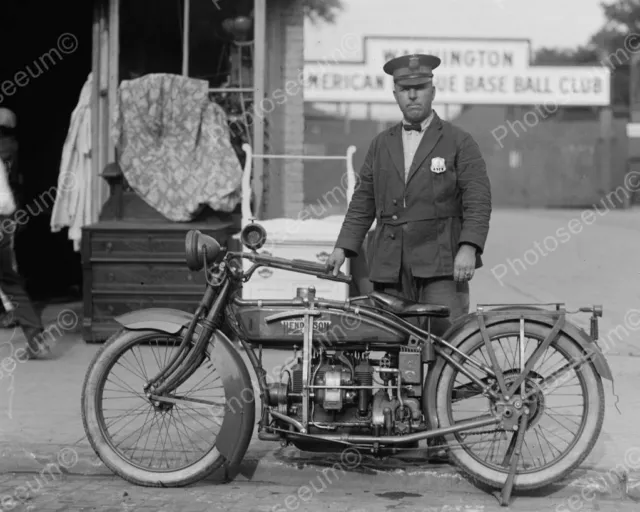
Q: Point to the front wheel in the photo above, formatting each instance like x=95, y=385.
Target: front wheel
x=164, y=444
x=565, y=418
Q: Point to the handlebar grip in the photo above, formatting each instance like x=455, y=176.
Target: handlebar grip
x=310, y=265
x=341, y=277
x=322, y=269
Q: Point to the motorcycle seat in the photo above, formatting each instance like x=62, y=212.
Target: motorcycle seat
x=408, y=308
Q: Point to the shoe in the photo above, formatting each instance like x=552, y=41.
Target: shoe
x=36, y=347
x=7, y=321
x=437, y=450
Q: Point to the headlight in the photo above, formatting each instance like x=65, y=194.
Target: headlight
x=200, y=250
x=253, y=236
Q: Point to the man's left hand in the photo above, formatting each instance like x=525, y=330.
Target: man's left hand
x=465, y=264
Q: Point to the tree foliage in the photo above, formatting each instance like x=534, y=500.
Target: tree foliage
x=612, y=46
x=322, y=10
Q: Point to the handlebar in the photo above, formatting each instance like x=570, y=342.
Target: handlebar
x=301, y=266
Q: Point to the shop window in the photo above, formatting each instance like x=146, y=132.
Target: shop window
x=152, y=35
x=219, y=49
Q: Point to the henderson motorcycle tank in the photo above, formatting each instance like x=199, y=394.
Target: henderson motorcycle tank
x=331, y=327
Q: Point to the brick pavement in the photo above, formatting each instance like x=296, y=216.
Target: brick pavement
x=39, y=405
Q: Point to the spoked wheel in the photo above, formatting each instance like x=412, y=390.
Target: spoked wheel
x=162, y=443
x=565, y=415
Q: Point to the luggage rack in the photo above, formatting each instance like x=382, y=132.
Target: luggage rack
x=557, y=305
x=596, y=309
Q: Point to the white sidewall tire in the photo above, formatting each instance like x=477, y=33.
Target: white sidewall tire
x=114, y=347
x=591, y=430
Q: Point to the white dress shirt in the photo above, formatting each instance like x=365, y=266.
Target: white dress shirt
x=410, y=142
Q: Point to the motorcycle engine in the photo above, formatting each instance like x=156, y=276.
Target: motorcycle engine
x=333, y=376
x=335, y=407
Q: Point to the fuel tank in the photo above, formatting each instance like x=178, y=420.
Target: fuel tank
x=344, y=330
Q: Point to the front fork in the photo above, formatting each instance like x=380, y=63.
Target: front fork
x=187, y=360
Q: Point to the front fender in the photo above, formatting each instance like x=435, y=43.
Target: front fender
x=237, y=426
x=239, y=419
x=167, y=320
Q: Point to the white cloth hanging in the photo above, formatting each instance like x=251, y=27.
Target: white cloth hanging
x=72, y=207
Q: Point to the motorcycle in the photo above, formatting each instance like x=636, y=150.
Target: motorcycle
x=362, y=376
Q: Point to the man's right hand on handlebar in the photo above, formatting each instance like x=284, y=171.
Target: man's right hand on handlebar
x=335, y=261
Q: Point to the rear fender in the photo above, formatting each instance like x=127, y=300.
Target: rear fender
x=467, y=325
x=237, y=425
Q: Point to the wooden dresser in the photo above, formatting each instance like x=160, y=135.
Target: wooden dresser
x=134, y=258
x=129, y=266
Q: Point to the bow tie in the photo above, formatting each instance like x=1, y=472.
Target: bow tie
x=413, y=126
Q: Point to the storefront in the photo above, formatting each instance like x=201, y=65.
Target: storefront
x=249, y=52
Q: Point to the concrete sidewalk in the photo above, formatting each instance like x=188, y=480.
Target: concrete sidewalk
x=40, y=400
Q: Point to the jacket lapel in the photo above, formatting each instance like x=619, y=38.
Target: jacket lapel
x=394, y=145
x=428, y=142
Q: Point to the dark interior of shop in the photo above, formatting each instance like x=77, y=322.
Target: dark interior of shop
x=30, y=35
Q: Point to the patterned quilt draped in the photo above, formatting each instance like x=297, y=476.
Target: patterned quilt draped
x=173, y=146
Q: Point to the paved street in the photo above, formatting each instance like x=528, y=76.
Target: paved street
x=75, y=494
x=47, y=465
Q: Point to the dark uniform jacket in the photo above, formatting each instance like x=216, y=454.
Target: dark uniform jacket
x=429, y=216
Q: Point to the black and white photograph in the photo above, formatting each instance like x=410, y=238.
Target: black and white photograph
x=320, y=255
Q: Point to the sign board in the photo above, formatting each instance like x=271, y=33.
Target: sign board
x=473, y=71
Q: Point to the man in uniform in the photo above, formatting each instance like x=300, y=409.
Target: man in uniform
x=425, y=183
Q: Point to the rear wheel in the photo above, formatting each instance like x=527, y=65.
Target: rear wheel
x=565, y=418
x=154, y=443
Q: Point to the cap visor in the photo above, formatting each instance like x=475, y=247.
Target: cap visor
x=406, y=82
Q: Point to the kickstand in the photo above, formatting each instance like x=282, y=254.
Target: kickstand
x=505, y=495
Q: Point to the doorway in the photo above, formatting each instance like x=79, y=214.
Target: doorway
x=45, y=61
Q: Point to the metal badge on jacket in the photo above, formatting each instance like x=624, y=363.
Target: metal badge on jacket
x=438, y=165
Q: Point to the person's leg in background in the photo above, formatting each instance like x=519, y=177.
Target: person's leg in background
x=7, y=318
x=24, y=313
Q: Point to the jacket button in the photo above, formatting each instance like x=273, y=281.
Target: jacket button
x=395, y=217
x=392, y=236
x=395, y=201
